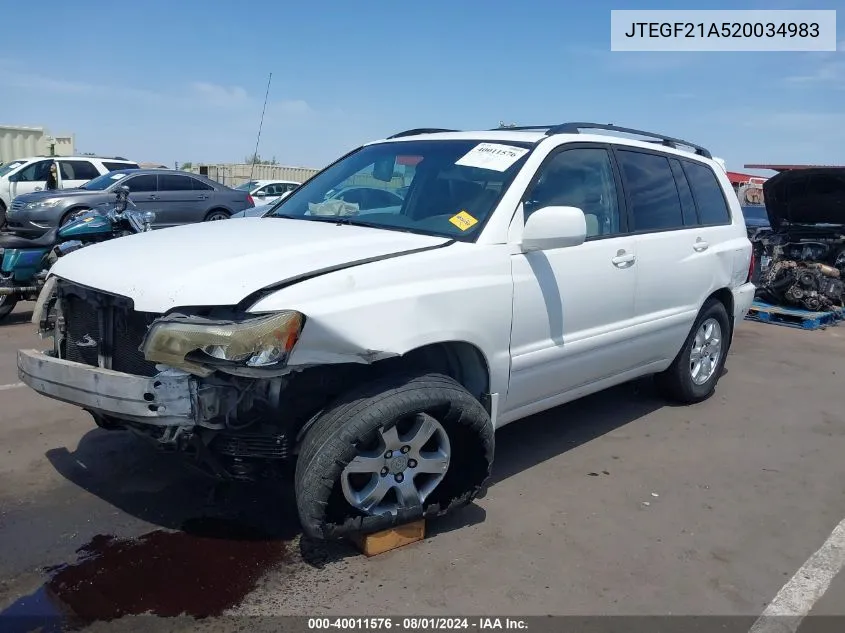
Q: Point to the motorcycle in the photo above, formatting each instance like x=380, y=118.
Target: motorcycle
x=26, y=262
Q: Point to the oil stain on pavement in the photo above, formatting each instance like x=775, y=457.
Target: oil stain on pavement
x=201, y=571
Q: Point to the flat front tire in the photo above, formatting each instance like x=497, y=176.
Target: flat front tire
x=392, y=451
x=693, y=375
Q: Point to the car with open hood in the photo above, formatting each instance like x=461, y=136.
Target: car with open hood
x=376, y=349
x=804, y=251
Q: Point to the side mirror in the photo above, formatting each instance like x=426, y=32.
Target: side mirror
x=554, y=227
x=260, y=194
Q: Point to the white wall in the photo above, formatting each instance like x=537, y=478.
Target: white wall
x=20, y=142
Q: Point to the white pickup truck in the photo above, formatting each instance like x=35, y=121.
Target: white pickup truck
x=378, y=350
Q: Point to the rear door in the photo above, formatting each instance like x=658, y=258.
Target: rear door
x=178, y=203
x=75, y=173
x=675, y=262
x=205, y=199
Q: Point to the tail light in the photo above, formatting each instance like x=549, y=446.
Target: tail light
x=751, y=266
x=250, y=200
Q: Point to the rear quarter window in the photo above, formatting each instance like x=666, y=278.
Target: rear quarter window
x=708, y=194
x=117, y=166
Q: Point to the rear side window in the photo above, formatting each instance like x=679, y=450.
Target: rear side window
x=78, y=170
x=655, y=205
x=118, y=166
x=199, y=185
x=146, y=182
x=170, y=182
x=712, y=207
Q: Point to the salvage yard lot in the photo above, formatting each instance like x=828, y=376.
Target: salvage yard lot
x=617, y=504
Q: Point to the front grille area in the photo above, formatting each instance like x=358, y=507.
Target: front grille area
x=82, y=336
x=96, y=326
x=17, y=205
x=251, y=445
x=130, y=328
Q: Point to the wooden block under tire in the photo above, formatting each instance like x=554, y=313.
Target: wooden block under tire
x=386, y=540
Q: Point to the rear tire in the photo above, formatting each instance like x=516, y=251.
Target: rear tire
x=693, y=375
x=355, y=428
x=217, y=214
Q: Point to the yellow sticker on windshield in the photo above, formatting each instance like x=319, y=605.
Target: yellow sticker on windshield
x=463, y=220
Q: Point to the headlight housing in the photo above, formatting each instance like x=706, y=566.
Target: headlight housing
x=198, y=346
x=42, y=204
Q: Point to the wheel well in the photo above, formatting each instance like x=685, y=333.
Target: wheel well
x=457, y=359
x=216, y=209
x=70, y=212
x=726, y=298
x=313, y=388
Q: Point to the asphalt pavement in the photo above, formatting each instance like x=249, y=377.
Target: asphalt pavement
x=618, y=504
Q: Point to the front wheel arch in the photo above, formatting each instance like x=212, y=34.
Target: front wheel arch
x=68, y=215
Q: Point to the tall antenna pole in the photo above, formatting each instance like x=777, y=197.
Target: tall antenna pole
x=260, y=125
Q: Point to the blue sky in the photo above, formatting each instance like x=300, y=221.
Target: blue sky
x=184, y=81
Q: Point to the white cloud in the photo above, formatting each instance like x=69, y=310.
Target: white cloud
x=217, y=95
x=831, y=72
x=198, y=94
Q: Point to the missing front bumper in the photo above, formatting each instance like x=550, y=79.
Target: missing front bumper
x=167, y=399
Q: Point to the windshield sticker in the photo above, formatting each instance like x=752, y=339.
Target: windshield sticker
x=333, y=207
x=463, y=220
x=492, y=156
x=117, y=176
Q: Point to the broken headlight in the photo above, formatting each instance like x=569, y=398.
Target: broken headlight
x=257, y=342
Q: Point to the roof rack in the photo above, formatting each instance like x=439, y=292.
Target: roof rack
x=575, y=128
x=668, y=141
x=520, y=128
x=421, y=130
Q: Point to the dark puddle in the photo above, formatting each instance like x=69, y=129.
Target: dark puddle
x=201, y=571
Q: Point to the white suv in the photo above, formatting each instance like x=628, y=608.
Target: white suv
x=25, y=175
x=378, y=350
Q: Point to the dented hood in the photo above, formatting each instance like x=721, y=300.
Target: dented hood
x=221, y=263
x=806, y=196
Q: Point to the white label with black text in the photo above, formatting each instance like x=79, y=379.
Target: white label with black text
x=492, y=156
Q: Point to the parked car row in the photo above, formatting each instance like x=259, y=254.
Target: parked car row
x=27, y=175
x=176, y=197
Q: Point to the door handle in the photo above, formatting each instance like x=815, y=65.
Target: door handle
x=623, y=259
x=153, y=197
x=38, y=188
x=700, y=245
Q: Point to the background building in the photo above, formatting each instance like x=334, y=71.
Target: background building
x=234, y=174
x=19, y=142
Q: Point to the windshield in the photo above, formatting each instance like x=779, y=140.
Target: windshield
x=247, y=186
x=101, y=183
x=9, y=167
x=452, y=187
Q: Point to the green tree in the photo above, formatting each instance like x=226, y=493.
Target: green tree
x=186, y=166
x=255, y=159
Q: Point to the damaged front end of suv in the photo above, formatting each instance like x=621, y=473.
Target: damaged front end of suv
x=805, y=248
x=211, y=383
